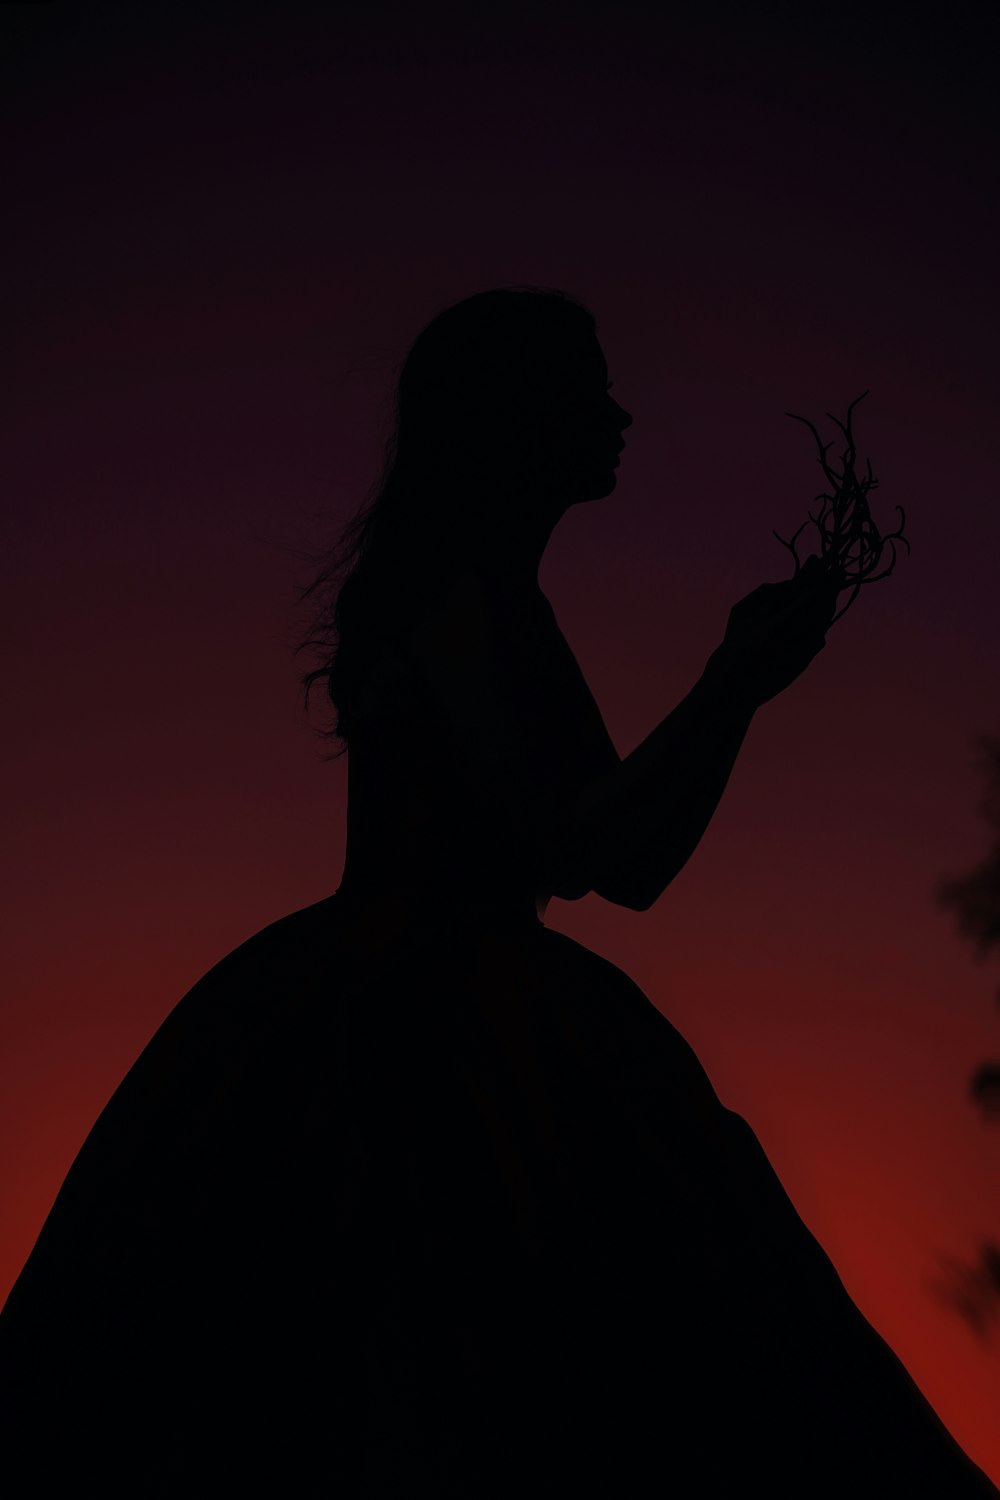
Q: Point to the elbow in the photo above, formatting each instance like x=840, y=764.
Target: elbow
x=631, y=900
x=571, y=875
x=635, y=888
x=624, y=891
x=572, y=880
x=574, y=887
x=576, y=863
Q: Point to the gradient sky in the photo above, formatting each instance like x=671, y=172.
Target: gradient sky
x=225, y=227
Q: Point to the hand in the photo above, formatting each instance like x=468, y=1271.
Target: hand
x=774, y=633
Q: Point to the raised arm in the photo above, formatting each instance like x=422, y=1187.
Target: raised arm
x=633, y=829
x=536, y=750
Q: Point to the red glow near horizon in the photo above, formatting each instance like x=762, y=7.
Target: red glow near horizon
x=214, y=288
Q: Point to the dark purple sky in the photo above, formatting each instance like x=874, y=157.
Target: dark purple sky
x=225, y=225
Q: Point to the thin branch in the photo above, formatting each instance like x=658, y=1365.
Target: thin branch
x=851, y=545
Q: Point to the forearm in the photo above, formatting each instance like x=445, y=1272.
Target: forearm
x=637, y=827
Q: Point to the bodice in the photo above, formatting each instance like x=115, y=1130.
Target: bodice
x=428, y=828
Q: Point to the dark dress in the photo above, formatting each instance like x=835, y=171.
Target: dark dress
x=411, y=1194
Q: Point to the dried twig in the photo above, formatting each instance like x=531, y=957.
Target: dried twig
x=851, y=545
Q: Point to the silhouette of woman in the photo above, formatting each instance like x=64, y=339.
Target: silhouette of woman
x=410, y=1193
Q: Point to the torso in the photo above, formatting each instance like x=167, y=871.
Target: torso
x=417, y=833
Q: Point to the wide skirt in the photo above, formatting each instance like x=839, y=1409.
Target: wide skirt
x=440, y=1207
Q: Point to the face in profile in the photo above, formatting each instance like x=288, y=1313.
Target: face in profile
x=577, y=428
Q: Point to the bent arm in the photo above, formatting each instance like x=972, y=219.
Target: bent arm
x=536, y=749
x=634, y=829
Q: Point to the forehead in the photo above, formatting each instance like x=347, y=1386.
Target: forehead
x=579, y=365
x=587, y=355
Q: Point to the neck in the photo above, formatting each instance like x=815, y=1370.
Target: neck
x=511, y=548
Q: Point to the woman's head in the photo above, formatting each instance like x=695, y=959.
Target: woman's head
x=507, y=390
x=503, y=419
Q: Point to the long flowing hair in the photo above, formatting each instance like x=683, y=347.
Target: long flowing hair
x=458, y=413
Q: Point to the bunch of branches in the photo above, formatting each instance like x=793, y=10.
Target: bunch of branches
x=851, y=544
